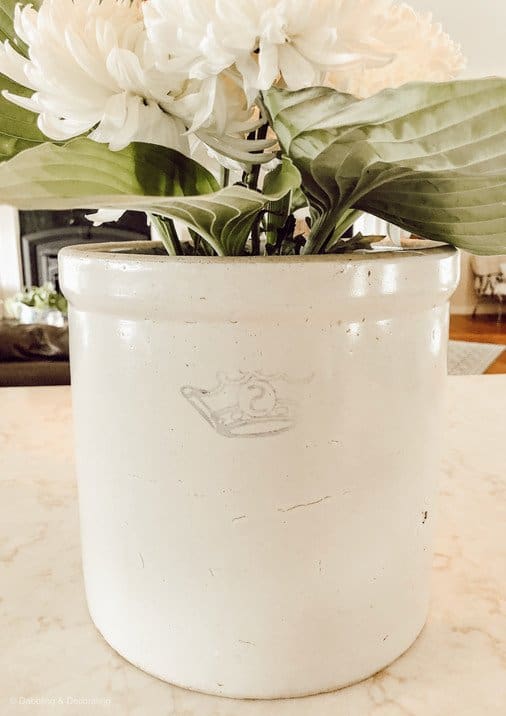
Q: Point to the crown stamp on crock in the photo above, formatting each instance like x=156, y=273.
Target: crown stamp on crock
x=248, y=404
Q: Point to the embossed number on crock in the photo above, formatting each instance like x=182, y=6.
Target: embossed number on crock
x=249, y=404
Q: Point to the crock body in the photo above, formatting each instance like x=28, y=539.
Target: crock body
x=257, y=456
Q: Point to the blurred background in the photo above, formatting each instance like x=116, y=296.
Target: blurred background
x=33, y=333
x=33, y=326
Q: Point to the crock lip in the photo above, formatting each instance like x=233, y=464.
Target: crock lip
x=122, y=252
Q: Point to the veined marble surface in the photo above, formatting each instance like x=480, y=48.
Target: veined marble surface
x=55, y=662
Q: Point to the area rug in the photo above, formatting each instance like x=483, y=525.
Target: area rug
x=467, y=358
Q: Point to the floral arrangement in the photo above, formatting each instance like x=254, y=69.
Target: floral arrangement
x=262, y=126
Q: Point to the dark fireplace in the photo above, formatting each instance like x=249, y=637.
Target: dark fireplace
x=44, y=233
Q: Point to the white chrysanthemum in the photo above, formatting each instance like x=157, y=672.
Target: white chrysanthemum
x=421, y=51
x=161, y=71
x=90, y=69
x=294, y=42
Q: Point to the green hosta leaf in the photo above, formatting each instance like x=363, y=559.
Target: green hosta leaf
x=225, y=219
x=144, y=177
x=430, y=158
x=51, y=175
x=18, y=127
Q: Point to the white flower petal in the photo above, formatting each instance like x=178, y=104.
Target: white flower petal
x=111, y=128
x=125, y=68
x=87, y=60
x=61, y=129
x=157, y=127
x=13, y=65
x=207, y=96
x=25, y=23
x=268, y=66
x=29, y=103
x=297, y=72
x=104, y=216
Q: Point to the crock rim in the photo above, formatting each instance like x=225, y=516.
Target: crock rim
x=124, y=252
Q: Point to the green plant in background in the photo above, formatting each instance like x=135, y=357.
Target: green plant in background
x=44, y=297
x=312, y=122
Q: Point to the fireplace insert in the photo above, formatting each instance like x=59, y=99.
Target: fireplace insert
x=44, y=233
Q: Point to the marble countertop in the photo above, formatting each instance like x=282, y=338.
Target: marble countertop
x=55, y=662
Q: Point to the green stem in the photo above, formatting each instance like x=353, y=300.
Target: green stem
x=168, y=234
x=255, y=237
x=196, y=238
x=225, y=177
x=321, y=231
x=245, y=175
x=347, y=219
x=252, y=183
x=201, y=247
x=327, y=229
x=254, y=175
x=174, y=238
x=215, y=245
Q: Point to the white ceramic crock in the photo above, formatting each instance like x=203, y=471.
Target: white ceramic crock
x=257, y=452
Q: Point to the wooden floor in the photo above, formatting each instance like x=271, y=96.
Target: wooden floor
x=482, y=329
